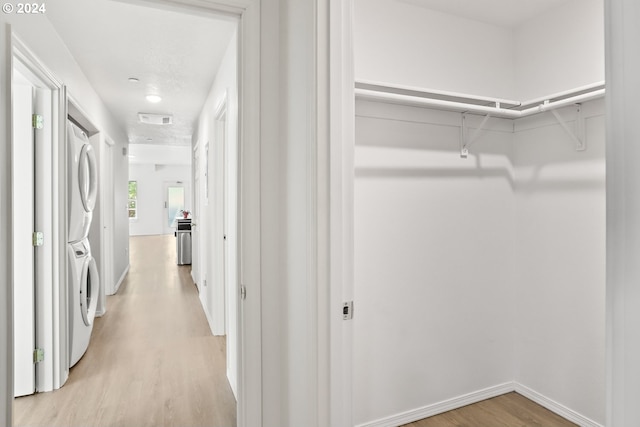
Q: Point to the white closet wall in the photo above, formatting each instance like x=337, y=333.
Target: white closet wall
x=560, y=49
x=405, y=43
x=482, y=275
x=560, y=260
x=434, y=257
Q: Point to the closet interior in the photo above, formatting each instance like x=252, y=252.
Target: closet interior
x=479, y=208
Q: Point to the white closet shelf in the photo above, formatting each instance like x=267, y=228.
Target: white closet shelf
x=495, y=107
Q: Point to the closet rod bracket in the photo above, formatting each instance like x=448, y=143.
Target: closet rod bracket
x=578, y=135
x=465, y=141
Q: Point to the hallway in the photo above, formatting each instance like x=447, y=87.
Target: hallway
x=152, y=360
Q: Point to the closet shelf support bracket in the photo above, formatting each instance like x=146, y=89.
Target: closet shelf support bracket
x=578, y=135
x=465, y=140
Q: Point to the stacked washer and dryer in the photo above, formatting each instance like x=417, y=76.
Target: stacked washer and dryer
x=83, y=282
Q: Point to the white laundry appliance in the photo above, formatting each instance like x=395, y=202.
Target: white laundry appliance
x=83, y=182
x=83, y=300
x=83, y=278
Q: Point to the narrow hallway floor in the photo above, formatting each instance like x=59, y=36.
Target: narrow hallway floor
x=152, y=360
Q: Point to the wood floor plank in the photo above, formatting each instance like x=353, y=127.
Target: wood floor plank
x=152, y=360
x=508, y=410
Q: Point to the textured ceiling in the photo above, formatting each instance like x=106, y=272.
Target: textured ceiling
x=505, y=13
x=173, y=55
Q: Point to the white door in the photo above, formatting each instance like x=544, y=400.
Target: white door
x=108, y=205
x=23, y=249
x=195, y=215
x=230, y=242
x=173, y=205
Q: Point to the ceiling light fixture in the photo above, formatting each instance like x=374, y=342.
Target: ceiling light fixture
x=154, y=98
x=133, y=80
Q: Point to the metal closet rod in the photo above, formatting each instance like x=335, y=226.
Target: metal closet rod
x=455, y=101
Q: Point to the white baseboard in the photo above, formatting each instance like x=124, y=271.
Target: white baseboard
x=119, y=282
x=478, y=396
x=440, y=407
x=555, y=407
x=206, y=313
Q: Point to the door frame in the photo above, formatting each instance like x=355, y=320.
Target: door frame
x=219, y=303
x=165, y=195
x=248, y=14
x=196, y=194
x=51, y=328
x=107, y=217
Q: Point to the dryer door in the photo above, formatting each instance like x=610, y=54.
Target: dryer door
x=88, y=177
x=89, y=287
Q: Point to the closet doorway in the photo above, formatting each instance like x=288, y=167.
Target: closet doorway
x=479, y=194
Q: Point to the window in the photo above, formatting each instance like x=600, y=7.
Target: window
x=133, y=200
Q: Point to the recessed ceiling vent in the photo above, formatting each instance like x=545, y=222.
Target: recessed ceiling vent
x=155, y=119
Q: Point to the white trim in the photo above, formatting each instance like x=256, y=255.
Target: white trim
x=6, y=267
x=206, y=313
x=51, y=318
x=440, y=407
x=555, y=407
x=122, y=277
x=80, y=115
x=341, y=213
x=478, y=396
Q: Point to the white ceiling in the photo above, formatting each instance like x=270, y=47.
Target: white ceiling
x=172, y=54
x=504, y=13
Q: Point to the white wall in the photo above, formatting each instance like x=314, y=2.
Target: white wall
x=560, y=260
x=470, y=274
x=434, y=248
x=561, y=49
x=405, y=43
x=159, y=154
x=151, y=180
x=211, y=234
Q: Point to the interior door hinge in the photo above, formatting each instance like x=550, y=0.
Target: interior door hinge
x=37, y=121
x=38, y=355
x=243, y=292
x=347, y=310
x=38, y=238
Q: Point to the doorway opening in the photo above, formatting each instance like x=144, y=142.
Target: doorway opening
x=37, y=107
x=226, y=261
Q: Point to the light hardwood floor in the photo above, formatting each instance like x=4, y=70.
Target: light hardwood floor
x=509, y=410
x=152, y=360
